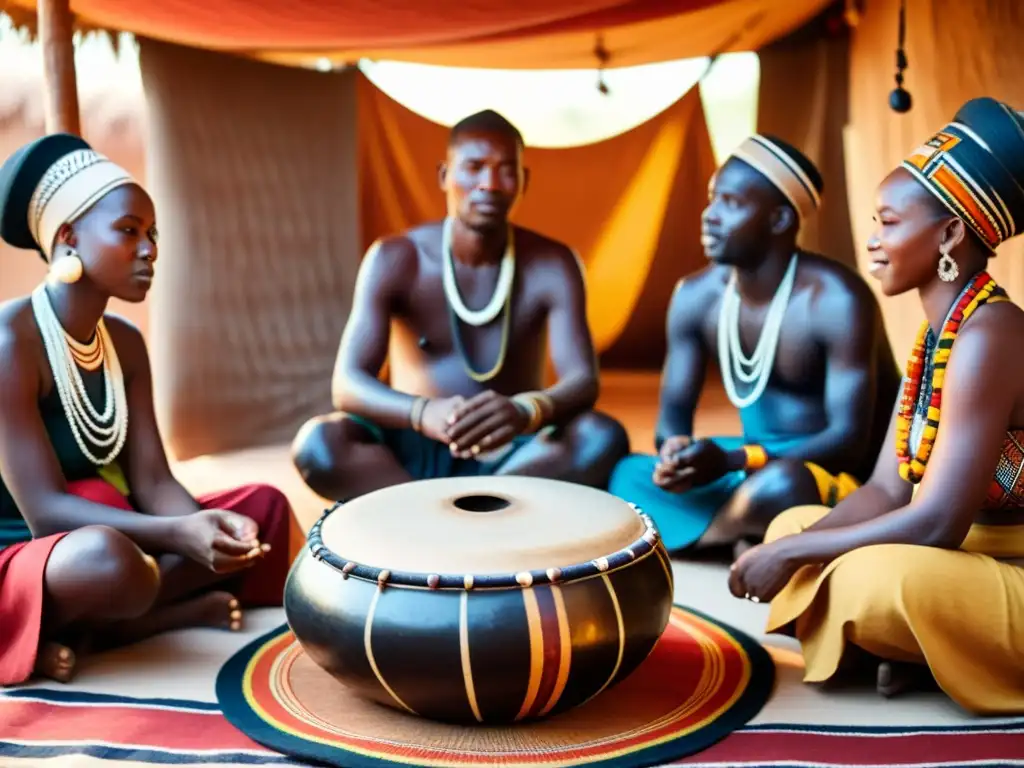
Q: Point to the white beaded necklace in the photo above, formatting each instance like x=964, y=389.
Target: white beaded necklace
x=502, y=290
x=757, y=368
x=101, y=430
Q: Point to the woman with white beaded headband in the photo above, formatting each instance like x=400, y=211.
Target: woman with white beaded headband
x=99, y=543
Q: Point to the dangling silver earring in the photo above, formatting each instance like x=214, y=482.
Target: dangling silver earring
x=948, y=269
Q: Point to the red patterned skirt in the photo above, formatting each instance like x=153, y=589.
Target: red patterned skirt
x=22, y=567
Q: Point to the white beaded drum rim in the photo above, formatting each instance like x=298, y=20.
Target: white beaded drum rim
x=638, y=550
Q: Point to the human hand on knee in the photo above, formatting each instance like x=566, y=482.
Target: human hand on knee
x=483, y=423
x=672, y=478
x=211, y=537
x=242, y=528
x=667, y=474
x=672, y=446
x=761, y=572
x=437, y=417
x=685, y=463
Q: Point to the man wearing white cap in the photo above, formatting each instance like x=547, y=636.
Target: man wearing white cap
x=802, y=352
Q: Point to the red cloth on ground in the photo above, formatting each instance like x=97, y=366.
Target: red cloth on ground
x=22, y=567
x=21, y=606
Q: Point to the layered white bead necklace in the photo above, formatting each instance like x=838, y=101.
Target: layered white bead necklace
x=66, y=355
x=502, y=290
x=757, y=368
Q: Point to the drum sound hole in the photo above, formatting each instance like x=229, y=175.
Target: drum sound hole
x=481, y=503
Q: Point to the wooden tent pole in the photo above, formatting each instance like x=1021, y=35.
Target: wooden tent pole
x=60, y=86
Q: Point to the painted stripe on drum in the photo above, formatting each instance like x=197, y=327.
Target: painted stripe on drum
x=593, y=628
x=533, y=622
x=667, y=566
x=565, y=650
x=646, y=602
x=368, y=646
x=500, y=641
x=552, y=649
x=620, y=627
x=467, y=670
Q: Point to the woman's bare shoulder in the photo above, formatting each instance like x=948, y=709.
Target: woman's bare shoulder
x=20, y=345
x=18, y=330
x=985, y=349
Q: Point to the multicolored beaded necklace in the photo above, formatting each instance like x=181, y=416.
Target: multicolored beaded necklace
x=922, y=391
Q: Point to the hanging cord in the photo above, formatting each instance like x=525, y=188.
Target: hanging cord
x=899, y=99
x=602, y=61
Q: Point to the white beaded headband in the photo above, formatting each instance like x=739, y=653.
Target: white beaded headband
x=68, y=189
x=782, y=171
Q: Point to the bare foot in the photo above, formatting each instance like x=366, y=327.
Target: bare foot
x=214, y=609
x=740, y=547
x=219, y=610
x=56, y=661
x=894, y=678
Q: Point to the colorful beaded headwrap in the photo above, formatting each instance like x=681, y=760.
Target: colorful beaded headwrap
x=975, y=166
x=51, y=182
x=787, y=170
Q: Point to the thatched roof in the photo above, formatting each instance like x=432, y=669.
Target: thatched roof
x=110, y=92
x=24, y=22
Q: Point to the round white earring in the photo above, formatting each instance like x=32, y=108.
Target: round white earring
x=948, y=269
x=66, y=266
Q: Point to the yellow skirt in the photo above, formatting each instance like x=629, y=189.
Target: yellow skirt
x=959, y=612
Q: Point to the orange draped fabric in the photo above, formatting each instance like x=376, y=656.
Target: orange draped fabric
x=527, y=34
x=811, y=68
x=723, y=27
x=630, y=207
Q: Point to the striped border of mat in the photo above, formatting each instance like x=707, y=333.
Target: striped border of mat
x=38, y=723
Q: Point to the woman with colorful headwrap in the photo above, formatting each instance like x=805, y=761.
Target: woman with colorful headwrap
x=99, y=544
x=919, y=572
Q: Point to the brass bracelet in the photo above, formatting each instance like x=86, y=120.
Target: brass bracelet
x=547, y=406
x=416, y=413
x=545, y=409
x=530, y=409
x=538, y=414
x=540, y=407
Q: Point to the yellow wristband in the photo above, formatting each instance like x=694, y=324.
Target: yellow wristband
x=757, y=457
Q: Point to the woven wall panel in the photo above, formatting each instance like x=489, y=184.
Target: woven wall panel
x=253, y=170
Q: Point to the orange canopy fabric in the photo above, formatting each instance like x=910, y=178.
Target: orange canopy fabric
x=525, y=34
x=957, y=51
x=629, y=206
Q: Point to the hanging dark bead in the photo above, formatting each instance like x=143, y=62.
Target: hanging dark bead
x=899, y=99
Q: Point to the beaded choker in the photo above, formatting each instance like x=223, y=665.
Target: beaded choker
x=925, y=397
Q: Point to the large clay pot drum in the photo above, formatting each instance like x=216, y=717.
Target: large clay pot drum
x=495, y=599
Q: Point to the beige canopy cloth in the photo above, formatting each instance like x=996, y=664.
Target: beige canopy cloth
x=526, y=34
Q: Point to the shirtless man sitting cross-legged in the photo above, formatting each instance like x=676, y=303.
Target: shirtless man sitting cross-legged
x=801, y=348
x=465, y=310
